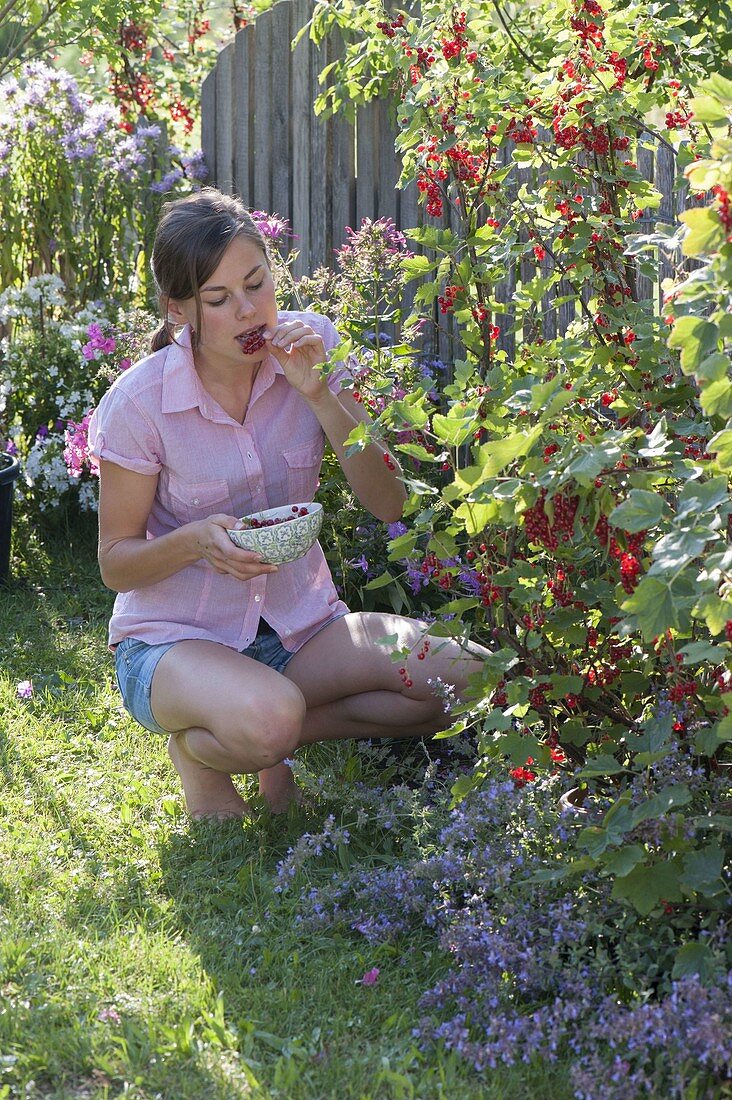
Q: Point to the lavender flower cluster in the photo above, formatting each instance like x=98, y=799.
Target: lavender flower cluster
x=536, y=970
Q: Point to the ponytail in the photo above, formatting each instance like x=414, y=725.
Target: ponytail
x=162, y=337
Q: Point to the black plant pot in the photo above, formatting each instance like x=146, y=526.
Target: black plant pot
x=9, y=472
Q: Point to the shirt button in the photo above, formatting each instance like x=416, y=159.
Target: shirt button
x=249, y=454
x=195, y=500
x=257, y=599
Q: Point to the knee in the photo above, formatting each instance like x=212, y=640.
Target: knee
x=279, y=726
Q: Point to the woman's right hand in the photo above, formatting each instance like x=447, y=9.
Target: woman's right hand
x=211, y=542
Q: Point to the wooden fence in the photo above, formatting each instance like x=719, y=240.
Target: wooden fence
x=263, y=142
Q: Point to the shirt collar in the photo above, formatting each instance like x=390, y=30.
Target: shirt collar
x=182, y=388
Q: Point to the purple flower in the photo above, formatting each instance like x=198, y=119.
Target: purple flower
x=271, y=226
x=394, y=530
x=24, y=690
x=371, y=977
x=10, y=448
x=359, y=563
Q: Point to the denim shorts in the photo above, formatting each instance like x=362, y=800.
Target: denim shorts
x=136, y=662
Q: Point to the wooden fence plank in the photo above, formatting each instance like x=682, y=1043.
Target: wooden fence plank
x=321, y=243
x=665, y=180
x=367, y=164
x=341, y=164
x=242, y=92
x=262, y=145
x=389, y=170
x=225, y=120
x=301, y=152
x=281, y=110
x=646, y=166
x=208, y=124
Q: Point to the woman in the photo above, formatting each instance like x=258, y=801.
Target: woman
x=240, y=662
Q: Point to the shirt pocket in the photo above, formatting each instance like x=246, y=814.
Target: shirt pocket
x=194, y=500
x=302, y=465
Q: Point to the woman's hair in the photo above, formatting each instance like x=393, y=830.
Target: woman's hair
x=191, y=238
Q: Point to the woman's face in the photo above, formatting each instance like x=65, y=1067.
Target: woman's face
x=236, y=301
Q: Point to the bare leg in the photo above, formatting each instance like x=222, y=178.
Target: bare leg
x=354, y=689
x=231, y=715
x=278, y=788
x=208, y=793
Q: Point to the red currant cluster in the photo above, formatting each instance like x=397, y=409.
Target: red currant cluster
x=133, y=37
x=433, y=567
x=523, y=132
x=538, y=529
x=537, y=695
x=695, y=447
x=465, y=165
x=179, y=112
x=390, y=29
x=682, y=691
x=388, y=461
x=651, y=51
x=199, y=28
x=560, y=589
x=629, y=570
x=446, y=301
x=588, y=31
x=453, y=47
x=133, y=88
x=499, y=697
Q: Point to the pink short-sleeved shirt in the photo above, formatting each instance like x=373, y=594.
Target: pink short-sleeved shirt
x=157, y=418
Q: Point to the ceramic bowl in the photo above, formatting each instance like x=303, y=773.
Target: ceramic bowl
x=285, y=540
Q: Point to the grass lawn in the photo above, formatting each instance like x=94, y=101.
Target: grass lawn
x=143, y=956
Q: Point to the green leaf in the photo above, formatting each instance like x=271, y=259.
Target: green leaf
x=453, y=430
x=708, y=109
x=622, y=861
x=703, y=496
x=415, y=450
x=695, y=653
x=655, y=735
x=475, y=517
x=706, y=233
x=716, y=398
x=660, y=804
x=602, y=764
x=703, y=870
x=379, y=582
x=695, y=337
x=714, y=611
x=709, y=739
x=721, y=445
x=645, y=886
x=496, y=455
x=639, y=511
x=652, y=604
x=565, y=685
x=714, y=367
x=693, y=958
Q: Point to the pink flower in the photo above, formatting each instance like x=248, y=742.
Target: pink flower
x=110, y=1014
x=371, y=977
x=24, y=689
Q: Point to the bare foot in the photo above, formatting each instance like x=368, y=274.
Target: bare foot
x=208, y=793
x=277, y=786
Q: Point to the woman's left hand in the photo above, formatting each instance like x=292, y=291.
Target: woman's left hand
x=299, y=350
